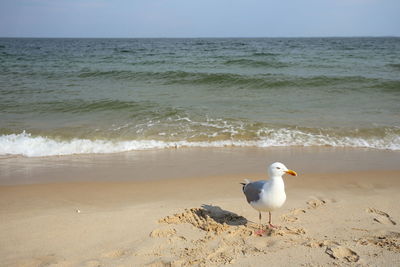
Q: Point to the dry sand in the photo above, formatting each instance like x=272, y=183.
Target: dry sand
x=341, y=216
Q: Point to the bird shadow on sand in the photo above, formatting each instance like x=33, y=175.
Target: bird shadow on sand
x=208, y=218
x=220, y=215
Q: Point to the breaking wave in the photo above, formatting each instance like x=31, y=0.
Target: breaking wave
x=36, y=146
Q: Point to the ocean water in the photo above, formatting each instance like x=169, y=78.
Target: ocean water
x=71, y=96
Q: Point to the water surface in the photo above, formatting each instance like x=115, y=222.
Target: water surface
x=66, y=96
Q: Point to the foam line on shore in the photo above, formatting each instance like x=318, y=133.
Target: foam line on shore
x=36, y=146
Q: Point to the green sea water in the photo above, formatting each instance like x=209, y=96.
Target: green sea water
x=67, y=96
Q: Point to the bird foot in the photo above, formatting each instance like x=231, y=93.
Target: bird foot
x=260, y=232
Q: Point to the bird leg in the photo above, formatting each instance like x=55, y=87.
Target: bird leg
x=269, y=222
x=260, y=231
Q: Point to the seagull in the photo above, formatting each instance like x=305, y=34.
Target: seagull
x=267, y=195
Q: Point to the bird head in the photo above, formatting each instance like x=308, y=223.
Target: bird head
x=277, y=169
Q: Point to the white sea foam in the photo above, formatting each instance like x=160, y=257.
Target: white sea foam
x=36, y=146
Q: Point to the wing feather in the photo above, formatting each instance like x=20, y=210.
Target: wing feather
x=252, y=190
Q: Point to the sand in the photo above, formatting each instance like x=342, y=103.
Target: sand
x=105, y=211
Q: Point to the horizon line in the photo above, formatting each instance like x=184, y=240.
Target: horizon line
x=204, y=37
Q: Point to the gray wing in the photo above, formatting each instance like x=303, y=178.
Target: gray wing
x=252, y=190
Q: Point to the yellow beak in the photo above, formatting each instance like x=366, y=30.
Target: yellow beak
x=291, y=172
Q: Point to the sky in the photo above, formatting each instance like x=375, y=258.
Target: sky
x=201, y=18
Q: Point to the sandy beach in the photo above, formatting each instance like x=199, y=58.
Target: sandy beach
x=186, y=208
x=135, y=133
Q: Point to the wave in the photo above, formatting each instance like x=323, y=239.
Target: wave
x=390, y=86
x=149, y=62
x=37, y=146
x=264, y=54
x=238, y=80
x=256, y=63
x=118, y=74
x=222, y=79
x=270, y=80
x=81, y=106
x=394, y=66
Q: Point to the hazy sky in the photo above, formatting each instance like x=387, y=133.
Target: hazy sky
x=201, y=18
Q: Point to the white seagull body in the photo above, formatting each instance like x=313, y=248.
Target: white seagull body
x=268, y=195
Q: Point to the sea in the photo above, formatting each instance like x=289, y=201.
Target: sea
x=76, y=96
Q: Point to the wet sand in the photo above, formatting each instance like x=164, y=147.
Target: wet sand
x=189, y=163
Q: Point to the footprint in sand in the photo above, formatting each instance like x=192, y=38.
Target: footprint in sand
x=289, y=231
x=340, y=252
x=297, y=211
x=315, y=203
x=313, y=243
x=381, y=217
x=290, y=217
x=114, y=254
x=387, y=240
x=168, y=232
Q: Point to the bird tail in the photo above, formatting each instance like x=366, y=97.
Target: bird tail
x=246, y=181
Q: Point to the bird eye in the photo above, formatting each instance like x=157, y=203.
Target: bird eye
x=278, y=168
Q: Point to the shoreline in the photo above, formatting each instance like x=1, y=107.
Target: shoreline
x=173, y=163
